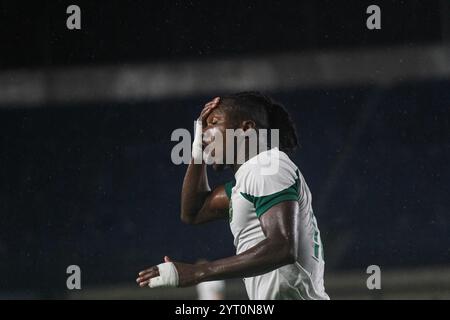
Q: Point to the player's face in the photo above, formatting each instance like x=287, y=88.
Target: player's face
x=216, y=122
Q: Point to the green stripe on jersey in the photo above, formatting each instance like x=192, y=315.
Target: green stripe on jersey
x=264, y=203
x=228, y=186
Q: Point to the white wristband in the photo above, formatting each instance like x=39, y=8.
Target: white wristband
x=168, y=276
x=197, y=145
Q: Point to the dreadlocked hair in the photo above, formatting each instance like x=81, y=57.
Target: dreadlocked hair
x=265, y=112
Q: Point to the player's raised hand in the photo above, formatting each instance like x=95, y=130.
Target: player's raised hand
x=197, y=145
x=207, y=109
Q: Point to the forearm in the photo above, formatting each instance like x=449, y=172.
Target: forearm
x=262, y=258
x=194, y=191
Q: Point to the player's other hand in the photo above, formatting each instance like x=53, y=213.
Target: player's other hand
x=188, y=274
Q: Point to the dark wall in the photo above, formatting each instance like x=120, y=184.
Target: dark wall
x=93, y=185
x=34, y=34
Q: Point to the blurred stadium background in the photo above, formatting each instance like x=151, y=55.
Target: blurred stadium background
x=86, y=118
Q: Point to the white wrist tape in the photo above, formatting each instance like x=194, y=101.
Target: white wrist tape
x=197, y=145
x=168, y=276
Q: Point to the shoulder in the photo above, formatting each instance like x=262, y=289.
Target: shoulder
x=269, y=172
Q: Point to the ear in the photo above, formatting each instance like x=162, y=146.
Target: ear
x=248, y=124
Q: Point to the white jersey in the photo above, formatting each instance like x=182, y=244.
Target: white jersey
x=260, y=183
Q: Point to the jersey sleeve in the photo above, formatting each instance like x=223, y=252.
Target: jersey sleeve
x=266, y=191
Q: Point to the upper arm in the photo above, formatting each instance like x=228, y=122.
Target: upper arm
x=279, y=222
x=279, y=225
x=214, y=207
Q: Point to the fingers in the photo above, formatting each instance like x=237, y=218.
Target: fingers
x=213, y=102
x=146, y=275
x=154, y=268
x=205, y=112
x=144, y=283
x=208, y=108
